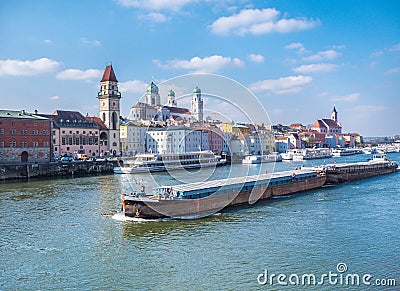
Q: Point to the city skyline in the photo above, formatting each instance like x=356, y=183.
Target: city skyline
x=299, y=60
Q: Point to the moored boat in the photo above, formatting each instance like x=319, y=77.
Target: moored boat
x=310, y=154
x=164, y=162
x=344, y=152
x=206, y=198
x=253, y=159
x=258, y=159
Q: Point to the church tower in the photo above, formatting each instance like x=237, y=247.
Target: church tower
x=171, y=102
x=152, y=96
x=109, y=98
x=334, y=114
x=197, y=104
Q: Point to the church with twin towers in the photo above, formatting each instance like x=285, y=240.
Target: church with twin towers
x=153, y=110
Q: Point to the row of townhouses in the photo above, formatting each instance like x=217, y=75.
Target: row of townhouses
x=152, y=127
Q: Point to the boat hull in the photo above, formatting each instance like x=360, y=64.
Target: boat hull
x=181, y=208
x=354, y=174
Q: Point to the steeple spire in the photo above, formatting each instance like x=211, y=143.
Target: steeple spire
x=334, y=114
x=109, y=74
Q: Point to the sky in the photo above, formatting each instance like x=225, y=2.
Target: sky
x=299, y=58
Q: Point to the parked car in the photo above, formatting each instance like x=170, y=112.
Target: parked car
x=67, y=159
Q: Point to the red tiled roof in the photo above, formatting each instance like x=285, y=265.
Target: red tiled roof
x=178, y=110
x=109, y=74
x=63, y=118
x=331, y=122
x=319, y=123
x=142, y=105
x=97, y=121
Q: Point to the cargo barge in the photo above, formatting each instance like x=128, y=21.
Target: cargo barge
x=205, y=198
x=347, y=172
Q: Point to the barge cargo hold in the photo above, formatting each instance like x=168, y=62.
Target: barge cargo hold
x=205, y=198
x=341, y=173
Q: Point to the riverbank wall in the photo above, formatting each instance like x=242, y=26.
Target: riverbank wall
x=23, y=171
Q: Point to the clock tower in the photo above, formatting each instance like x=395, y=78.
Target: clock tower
x=109, y=98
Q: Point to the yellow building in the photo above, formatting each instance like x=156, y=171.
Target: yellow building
x=235, y=128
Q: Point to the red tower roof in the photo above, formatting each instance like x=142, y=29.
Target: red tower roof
x=109, y=74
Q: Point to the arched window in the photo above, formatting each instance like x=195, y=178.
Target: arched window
x=114, y=121
x=104, y=117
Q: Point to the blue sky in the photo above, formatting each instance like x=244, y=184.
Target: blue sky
x=300, y=58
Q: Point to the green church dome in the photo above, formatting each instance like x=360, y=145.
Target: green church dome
x=152, y=88
x=197, y=90
x=171, y=93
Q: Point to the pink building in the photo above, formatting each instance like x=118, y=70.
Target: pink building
x=74, y=134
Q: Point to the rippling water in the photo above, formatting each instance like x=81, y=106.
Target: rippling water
x=69, y=233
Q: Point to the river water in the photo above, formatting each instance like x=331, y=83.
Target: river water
x=69, y=234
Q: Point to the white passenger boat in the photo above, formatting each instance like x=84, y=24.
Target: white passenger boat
x=344, y=152
x=251, y=159
x=310, y=154
x=258, y=159
x=164, y=162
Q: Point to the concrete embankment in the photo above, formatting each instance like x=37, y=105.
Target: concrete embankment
x=55, y=169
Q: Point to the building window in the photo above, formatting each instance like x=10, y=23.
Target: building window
x=114, y=120
x=63, y=131
x=63, y=141
x=2, y=131
x=2, y=144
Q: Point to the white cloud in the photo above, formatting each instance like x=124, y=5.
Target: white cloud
x=346, y=98
x=298, y=46
x=369, y=108
x=257, y=58
x=392, y=71
x=396, y=47
x=323, y=55
x=75, y=74
x=27, y=68
x=48, y=41
x=84, y=40
x=256, y=21
x=313, y=68
x=209, y=64
x=56, y=97
x=173, y=5
x=376, y=54
x=284, y=85
x=155, y=17
x=133, y=86
x=339, y=47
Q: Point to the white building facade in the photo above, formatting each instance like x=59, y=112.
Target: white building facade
x=175, y=140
